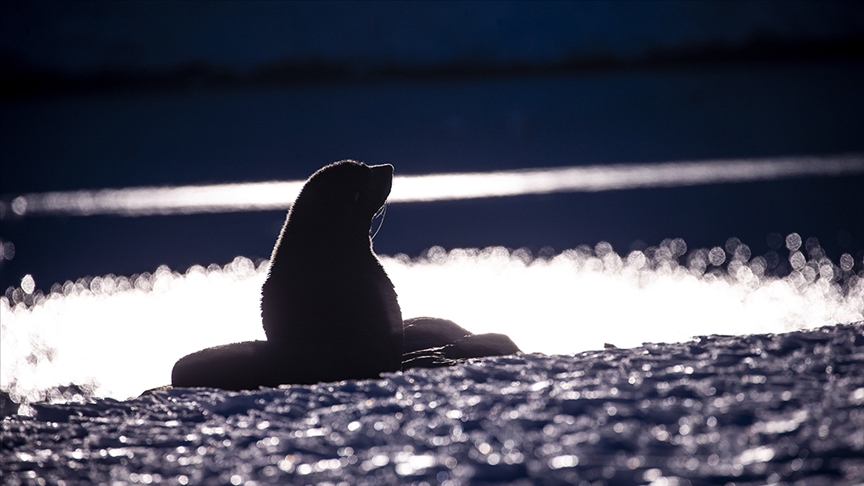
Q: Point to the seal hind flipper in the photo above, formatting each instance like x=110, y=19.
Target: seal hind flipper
x=431, y=342
x=426, y=358
x=238, y=366
x=480, y=346
x=431, y=332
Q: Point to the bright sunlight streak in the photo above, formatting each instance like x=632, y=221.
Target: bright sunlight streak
x=279, y=195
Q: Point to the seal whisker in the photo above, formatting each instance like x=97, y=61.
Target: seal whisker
x=381, y=212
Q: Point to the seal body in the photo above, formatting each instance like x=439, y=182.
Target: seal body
x=326, y=288
x=328, y=308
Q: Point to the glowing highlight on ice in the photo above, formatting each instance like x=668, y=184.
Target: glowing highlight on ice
x=261, y=196
x=122, y=335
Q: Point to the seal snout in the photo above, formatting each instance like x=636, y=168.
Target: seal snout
x=381, y=181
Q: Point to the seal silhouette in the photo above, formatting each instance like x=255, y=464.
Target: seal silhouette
x=326, y=287
x=328, y=308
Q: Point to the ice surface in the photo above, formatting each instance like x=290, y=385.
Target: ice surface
x=755, y=409
x=117, y=336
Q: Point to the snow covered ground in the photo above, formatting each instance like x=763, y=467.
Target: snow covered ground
x=761, y=409
x=740, y=409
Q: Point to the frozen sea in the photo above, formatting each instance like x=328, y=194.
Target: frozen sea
x=668, y=365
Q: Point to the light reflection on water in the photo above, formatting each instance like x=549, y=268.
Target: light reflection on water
x=122, y=335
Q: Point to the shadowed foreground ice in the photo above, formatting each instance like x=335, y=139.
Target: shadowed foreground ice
x=755, y=409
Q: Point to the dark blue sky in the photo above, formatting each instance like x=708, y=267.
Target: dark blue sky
x=87, y=36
